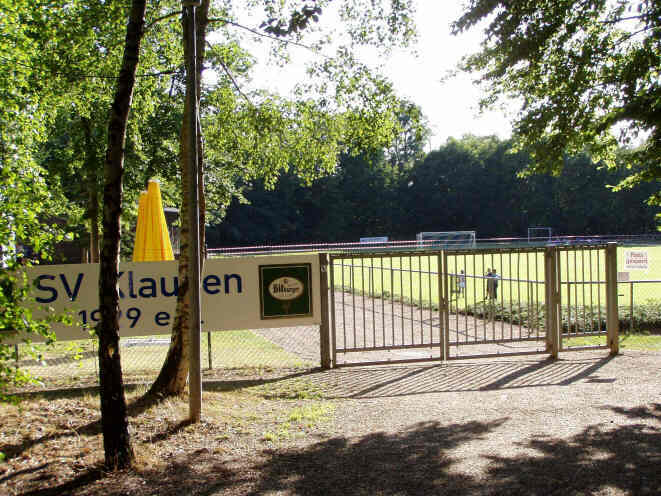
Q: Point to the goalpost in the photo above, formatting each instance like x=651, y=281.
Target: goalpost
x=447, y=239
x=539, y=234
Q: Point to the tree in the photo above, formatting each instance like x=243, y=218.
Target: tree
x=28, y=206
x=114, y=419
x=257, y=135
x=580, y=71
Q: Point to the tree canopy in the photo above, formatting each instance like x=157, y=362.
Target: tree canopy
x=584, y=74
x=470, y=183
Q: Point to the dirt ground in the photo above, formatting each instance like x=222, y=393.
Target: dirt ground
x=584, y=424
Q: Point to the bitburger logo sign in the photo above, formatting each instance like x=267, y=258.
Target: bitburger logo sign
x=285, y=291
x=286, y=288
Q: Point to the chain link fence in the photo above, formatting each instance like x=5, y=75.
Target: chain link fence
x=70, y=364
x=75, y=363
x=639, y=288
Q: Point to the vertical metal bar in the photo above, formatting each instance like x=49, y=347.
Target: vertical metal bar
x=411, y=294
x=353, y=298
x=591, y=286
x=502, y=293
x=344, y=317
x=518, y=290
x=422, y=317
x=383, y=303
x=585, y=317
x=209, y=350
x=599, y=290
x=492, y=305
x=511, y=272
x=474, y=294
x=569, y=327
x=362, y=291
x=446, y=313
x=612, y=318
x=441, y=308
x=401, y=295
x=578, y=310
x=392, y=299
x=529, y=295
x=333, y=320
x=538, y=323
x=465, y=277
x=631, y=310
x=484, y=305
x=420, y=296
x=453, y=287
x=372, y=297
x=431, y=300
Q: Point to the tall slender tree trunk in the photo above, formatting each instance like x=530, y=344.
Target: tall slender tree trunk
x=174, y=373
x=91, y=176
x=114, y=416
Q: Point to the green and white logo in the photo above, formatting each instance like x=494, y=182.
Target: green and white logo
x=285, y=291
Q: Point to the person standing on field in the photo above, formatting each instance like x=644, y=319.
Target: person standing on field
x=494, y=280
x=462, y=282
x=488, y=285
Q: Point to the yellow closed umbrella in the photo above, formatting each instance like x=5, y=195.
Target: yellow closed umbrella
x=156, y=246
x=140, y=232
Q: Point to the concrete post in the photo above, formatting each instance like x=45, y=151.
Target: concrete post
x=324, y=327
x=552, y=301
x=612, y=316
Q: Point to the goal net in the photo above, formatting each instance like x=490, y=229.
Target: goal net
x=446, y=239
x=539, y=234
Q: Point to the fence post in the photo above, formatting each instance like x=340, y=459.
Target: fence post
x=631, y=310
x=612, y=317
x=443, y=305
x=551, y=301
x=324, y=327
x=209, y=350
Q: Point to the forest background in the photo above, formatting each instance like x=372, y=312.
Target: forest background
x=469, y=183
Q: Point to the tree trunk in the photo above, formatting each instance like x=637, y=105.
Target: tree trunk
x=92, y=191
x=114, y=417
x=174, y=373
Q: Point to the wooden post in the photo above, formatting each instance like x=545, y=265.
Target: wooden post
x=324, y=327
x=194, y=263
x=552, y=301
x=612, y=317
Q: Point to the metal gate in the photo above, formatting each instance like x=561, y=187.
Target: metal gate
x=446, y=305
x=495, y=302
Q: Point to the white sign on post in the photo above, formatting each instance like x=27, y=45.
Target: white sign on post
x=148, y=295
x=636, y=260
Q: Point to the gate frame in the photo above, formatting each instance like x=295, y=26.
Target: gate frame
x=552, y=298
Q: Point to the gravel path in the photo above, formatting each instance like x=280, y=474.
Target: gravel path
x=362, y=322
x=585, y=424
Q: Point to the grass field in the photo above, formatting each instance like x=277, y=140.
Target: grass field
x=413, y=277
x=73, y=361
x=631, y=341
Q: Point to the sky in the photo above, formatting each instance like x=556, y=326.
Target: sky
x=451, y=107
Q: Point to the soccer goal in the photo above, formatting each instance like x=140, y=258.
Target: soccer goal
x=446, y=239
x=542, y=234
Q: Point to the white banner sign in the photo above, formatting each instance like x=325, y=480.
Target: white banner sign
x=636, y=260
x=376, y=239
x=148, y=295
